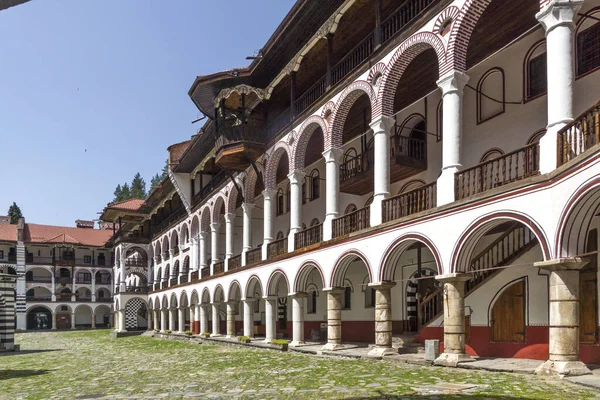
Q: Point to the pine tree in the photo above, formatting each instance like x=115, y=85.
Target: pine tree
x=138, y=187
x=14, y=212
x=165, y=170
x=125, y=191
x=155, y=182
x=118, y=194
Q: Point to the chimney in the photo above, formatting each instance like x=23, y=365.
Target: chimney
x=80, y=223
x=20, y=229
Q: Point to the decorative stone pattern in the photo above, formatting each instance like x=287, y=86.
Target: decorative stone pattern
x=132, y=311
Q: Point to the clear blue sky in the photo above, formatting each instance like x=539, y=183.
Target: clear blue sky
x=109, y=77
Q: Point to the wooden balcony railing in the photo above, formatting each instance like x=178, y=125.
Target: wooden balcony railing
x=172, y=281
x=354, y=58
x=357, y=165
x=430, y=307
x=352, y=222
x=311, y=94
x=216, y=180
x=136, y=262
x=412, y=202
x=183, y=278
x=164, y=284
x=205, y=272
x=254, y=256
x=403, y=146
x=40, y=279
x=277, y=247
x=579, y=135
x=194, y=276
x=308, y=237
x=234, y=263
x=404, y=14
x=510, y=167
x=219, y=267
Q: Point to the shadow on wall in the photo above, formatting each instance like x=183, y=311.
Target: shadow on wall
x=21, y=373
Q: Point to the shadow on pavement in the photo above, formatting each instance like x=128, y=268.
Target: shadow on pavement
x=26, y=352
x=21, y=373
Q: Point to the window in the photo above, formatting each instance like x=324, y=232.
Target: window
x=279, y=235
x=347, y=298
x=536, y=71
x=588, y=46
x=490, y=95
x=315, y=185
x=1, y=253
x=491, y=154
x=314, y=222
x=312, y=302
x=535, y=138
x=87, y=259
x=369, y=297
x=304, y=195
x=279, y=202
x=288, y=198
x=64, y=273
x=101, y=259
x=440, y=121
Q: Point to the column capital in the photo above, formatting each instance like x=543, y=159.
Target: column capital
x=562, y=264
x=333, y=155
x=382, y=124
x=270, y=298
x=215, y=303
x=232, y=302
x=454, y=277
x=214, y=226
x=248, y=207
x=381, y=285
x=334, y=290
x=269, y=194
x=202, y=235
x=296, y=177
x=298, y=295
x=559, y=13
x=453, y=82
x=229, y=217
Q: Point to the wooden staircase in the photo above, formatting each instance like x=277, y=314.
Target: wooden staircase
x=516, y=241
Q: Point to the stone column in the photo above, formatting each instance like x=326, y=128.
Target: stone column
x=564, y=317
x=172, y=318
x=558, y=20
x=193, y=318
x=93, y=320
x=214, y=244
x=382, y=127
x=203, y=318
x=163, y=320
x=181, y=320
x=216, y=329
x=149, y=321
x=149, y=272
x=295, y=178
x=53, y=321
x=334, y=319
x=231, y=311
x=269, y=197
x=229, y=220
x=383, y=319
x=73, y=321
x=332, y=157
x=247, y=226
x=454, y=320
x=93, y=287
x=202, y=251
x=270, y=318
x=194, y=255
x=157, y=319
x=249, y=317
x=122, y=284
x=297, y=318
x=452, y=86
x=53, y=295
x=122, y=324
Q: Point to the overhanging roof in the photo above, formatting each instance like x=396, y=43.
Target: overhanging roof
x=4, y=4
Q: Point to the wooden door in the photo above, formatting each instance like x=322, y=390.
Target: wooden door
x=508, y=314
x=588, y=294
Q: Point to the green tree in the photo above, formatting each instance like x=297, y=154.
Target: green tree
x=138, y=187
x=14, y=212
x=125, y=191
x=118, y=194
x=165, y=170
x=155, y=182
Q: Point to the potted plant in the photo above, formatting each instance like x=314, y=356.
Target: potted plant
x=168, y=331
x=283, y=344
x=188, y=333
x=244, y=339
x=205, y=334
x=156, y=330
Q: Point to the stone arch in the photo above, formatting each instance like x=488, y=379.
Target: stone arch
x=253, y=281
x=404, y=55
x=165, y=302
x=333, y=139
x=273, y=161
x=462, y=252
x=342, y=264
x=194, y=298
x=235, y=291
x=219, y=203
x=218, y=294
x=166, y=245
x=395, y=250
x=576, y=218
x=83, y=306
x=250, y=187
x=195, y=226
x=183, y=299
x=174, y=239
x=232, y=197
x=157, y=249
x=205, y=299
x=274, y=281
x=136, y=314
x=156, y=303
x=307, y=129
x=173, y=301
x=301, y=279
x=205, y=219
x=184, y=234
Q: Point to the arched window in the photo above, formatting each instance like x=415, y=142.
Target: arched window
x=280, y=210
x=535, y=138
x=588, y=43
x=491, y=154
x=315, y=185
x=304, y=194
x=288, y=197
x=369, y=201
x=312, y=300
x=490, y=95
x=535, y=74
x=350, y=208
x=347, y=298
x=440, y=121
x=279, y=235
x=314, y=222
x=369, y=293
x=350, y=154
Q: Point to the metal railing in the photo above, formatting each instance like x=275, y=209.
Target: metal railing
x=579, y=135
x=254, y=256
x=277, y=247
x=308, y=237
x=352, y=222
x=510, y=167
x=403, y=146
x=357, y=165
x=411, y=202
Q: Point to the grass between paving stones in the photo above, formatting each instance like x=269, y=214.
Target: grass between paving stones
x=89, y=363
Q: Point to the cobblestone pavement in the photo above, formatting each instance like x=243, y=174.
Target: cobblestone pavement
x=89, y=365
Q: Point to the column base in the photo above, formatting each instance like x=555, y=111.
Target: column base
x=296, y=343
x=332, y=347
x=451, y=359
x=215, y=335
x=229, y=336
x=563, y=368
x=379, y=352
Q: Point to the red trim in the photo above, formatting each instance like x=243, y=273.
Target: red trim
x=308, y=264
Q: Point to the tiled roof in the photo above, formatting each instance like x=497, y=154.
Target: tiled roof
x=35, y=233
x=8, y=232
x=130, y=205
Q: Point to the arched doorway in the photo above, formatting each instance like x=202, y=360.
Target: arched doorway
x=39, y=318
x=136, y=314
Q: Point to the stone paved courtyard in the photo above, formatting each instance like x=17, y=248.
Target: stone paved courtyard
x=86, y=365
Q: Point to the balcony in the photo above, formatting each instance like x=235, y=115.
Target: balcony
x=580, y=135
x=104, y=299
x=173, y=217
x=135, y=262
x=173, y=282
x=254, y=256
x=214, y=183
x=308, y=237
x=194, y=276
x=39, y=298
x=511, y=167
x=412, y=202
x=237, y=146
x=102, y=281
x=38, y=279
x=408, y=157
x=234, y=263
x=277, y=247
x=83, y=281
x=133, y=289
x=183, y=278
x=219, y=267
x=63, y=280
x=205, y=272
x=352, y=222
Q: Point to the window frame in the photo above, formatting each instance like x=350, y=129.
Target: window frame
x=481, y=95
x=526, y=76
